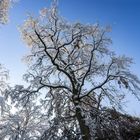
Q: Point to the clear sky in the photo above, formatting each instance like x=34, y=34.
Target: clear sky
x=122, y=15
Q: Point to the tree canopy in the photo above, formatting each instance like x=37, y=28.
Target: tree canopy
x=72, y=73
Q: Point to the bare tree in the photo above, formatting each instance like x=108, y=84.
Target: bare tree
x=73, y=70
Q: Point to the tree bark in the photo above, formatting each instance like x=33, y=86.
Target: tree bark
x=85, y=131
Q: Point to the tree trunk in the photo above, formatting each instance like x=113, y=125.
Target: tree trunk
x=83, y=127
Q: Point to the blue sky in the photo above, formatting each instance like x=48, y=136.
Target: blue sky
x=122, y=15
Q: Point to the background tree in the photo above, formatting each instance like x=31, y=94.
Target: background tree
x=73, y=71
x=26, y=123
x=5, y=6
x=115, y=125
x=4, y=75
x=4, y=9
